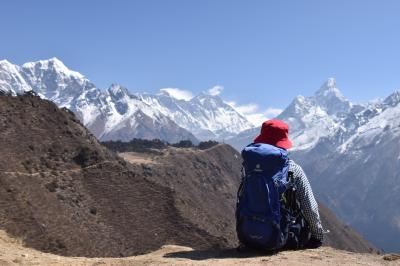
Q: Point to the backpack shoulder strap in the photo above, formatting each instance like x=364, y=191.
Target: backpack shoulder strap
x=290, y=193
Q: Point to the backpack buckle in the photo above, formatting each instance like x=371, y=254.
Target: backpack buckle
x=258, y=168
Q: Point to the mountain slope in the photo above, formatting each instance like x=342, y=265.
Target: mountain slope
x=117, y=114
x=360, y=176
x=206, y=116
x=62, y=192
x=310, y=118
x=110, y=114
x=350, y=152
x=206, y=183
x=11, y=79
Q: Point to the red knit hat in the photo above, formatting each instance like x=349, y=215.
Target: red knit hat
x=274, y=132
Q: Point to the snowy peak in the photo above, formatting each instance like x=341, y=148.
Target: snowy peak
x=120, y=98
x=7, y=66
x=329, y=88
x=330, y=121
x=164, y=92
x=208, y=100
x=51, y=65
x=206, y=116
x=111, y=114
x=331, y=99
x=54, y=81
x=317, y=117
x=393, y=99
x=328, y=115
x=176, y=93
x=330, y=83
x=11, y=79
x=328, y=99
x=117, y=91
x=298, y=106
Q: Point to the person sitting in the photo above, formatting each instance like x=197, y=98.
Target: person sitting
x=264, y=218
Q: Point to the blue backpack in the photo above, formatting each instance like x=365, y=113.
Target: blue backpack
x=260, y=222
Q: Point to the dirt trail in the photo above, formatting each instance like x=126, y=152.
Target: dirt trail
x=13, y=253
x=56, y=171
x=137, y=158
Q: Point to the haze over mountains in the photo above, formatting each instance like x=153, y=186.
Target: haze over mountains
x=350, y=151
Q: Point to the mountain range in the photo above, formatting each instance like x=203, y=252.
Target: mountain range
x=116, y=114
x=313, y=118
x=350, y=151
x=63, y=192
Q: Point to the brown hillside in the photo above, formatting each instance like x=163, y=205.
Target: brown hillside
x=62, y=192
x=206, y=182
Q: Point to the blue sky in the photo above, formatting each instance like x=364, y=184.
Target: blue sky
x=261, y=52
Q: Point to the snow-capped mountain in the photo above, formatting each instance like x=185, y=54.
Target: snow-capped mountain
x=206, y=116
x=375, y=120
x=11, y=79
x=111, y=114
x=116, y=114
x=358, y=176
x=310, y=118
x=351, y=154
